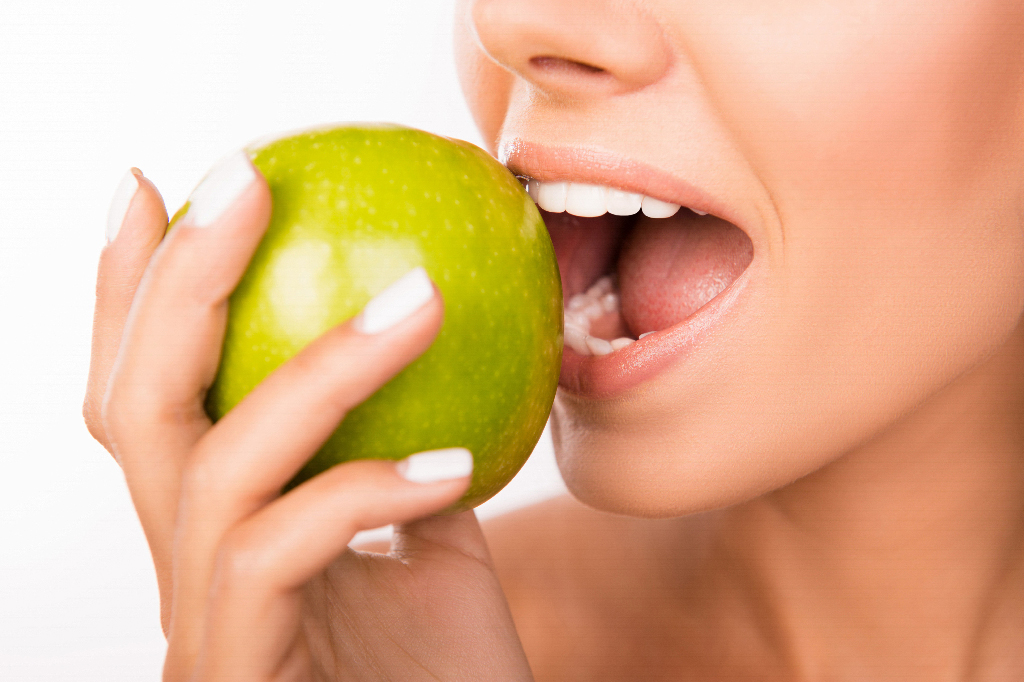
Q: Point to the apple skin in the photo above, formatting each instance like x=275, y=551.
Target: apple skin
x=356, y=207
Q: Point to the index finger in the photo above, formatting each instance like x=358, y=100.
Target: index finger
x=153, y=412
x=135, y=227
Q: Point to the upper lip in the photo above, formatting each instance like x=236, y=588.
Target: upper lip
x=601, y=167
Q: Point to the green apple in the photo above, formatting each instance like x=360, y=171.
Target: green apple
x=356, y=207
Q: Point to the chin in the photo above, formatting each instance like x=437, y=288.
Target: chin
x=662, y=463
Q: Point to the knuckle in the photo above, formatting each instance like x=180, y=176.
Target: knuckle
x=123, y=413
x=133, y=409
x=93, y=420
x=307, y=362
x=322, y=363
x=186, y=260
x=201, y=479
x=240, y=560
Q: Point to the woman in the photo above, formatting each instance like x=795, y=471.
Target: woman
x=812, y=469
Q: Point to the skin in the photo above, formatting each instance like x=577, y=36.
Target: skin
x=873, y=152
x=831, y=488
x=255, y=585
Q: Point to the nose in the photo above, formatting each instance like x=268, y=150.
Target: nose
x=574, y=48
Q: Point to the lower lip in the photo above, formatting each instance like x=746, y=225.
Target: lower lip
x=610, y=376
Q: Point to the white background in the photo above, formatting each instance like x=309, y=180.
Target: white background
x=88, y=89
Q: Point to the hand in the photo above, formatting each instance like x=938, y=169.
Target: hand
x=255, y=585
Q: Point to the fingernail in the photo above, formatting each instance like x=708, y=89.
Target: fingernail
x=219, y=190
x=123, y=196
x=436, y=465
x=398, y=301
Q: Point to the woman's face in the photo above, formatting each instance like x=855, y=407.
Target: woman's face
x=868, y=152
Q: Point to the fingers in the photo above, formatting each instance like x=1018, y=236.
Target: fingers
x=456, y=532
x=242, y=463
x=264, y=561
x=135, y=227
x=153, y=411
x=172, y=340
x=260, y=444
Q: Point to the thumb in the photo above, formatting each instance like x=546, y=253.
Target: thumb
x=453, y=533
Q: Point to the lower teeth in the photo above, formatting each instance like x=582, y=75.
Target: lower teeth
x=582, y=309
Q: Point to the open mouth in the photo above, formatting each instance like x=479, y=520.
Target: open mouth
x=638, y=271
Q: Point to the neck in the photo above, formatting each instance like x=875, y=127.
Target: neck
x=905, y=558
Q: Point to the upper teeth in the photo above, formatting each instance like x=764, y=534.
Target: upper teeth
x=589, y=201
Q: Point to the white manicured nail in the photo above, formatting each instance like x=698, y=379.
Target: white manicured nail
x=126, y=190
x=398, y=301
x=219, y=190
x=436, y=465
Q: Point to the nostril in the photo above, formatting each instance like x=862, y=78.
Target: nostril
x=558, y=64
x=573, y=48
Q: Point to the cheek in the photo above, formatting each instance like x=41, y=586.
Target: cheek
x=845, y=88
x=888, y=137
x=889, y=144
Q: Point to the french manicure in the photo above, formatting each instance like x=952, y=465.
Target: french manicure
x=436, y=465
x=397, y=301
x=123, y=196
x=220, y=189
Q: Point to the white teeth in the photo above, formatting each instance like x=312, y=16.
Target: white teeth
x=598, y=346
x=577, y=340
x=655, y=208
x=551, y=196
x=601, y=287
x=582, y=309
x=585, y=201
x=532, y=188
x=577, y=320
x=594, y=309
x=623, y=203
x=645, y=334
x=590, y=201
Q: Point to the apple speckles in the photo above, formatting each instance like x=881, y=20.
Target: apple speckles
x=415, y=187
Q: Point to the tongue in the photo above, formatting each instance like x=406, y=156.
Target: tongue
x=669, y=268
